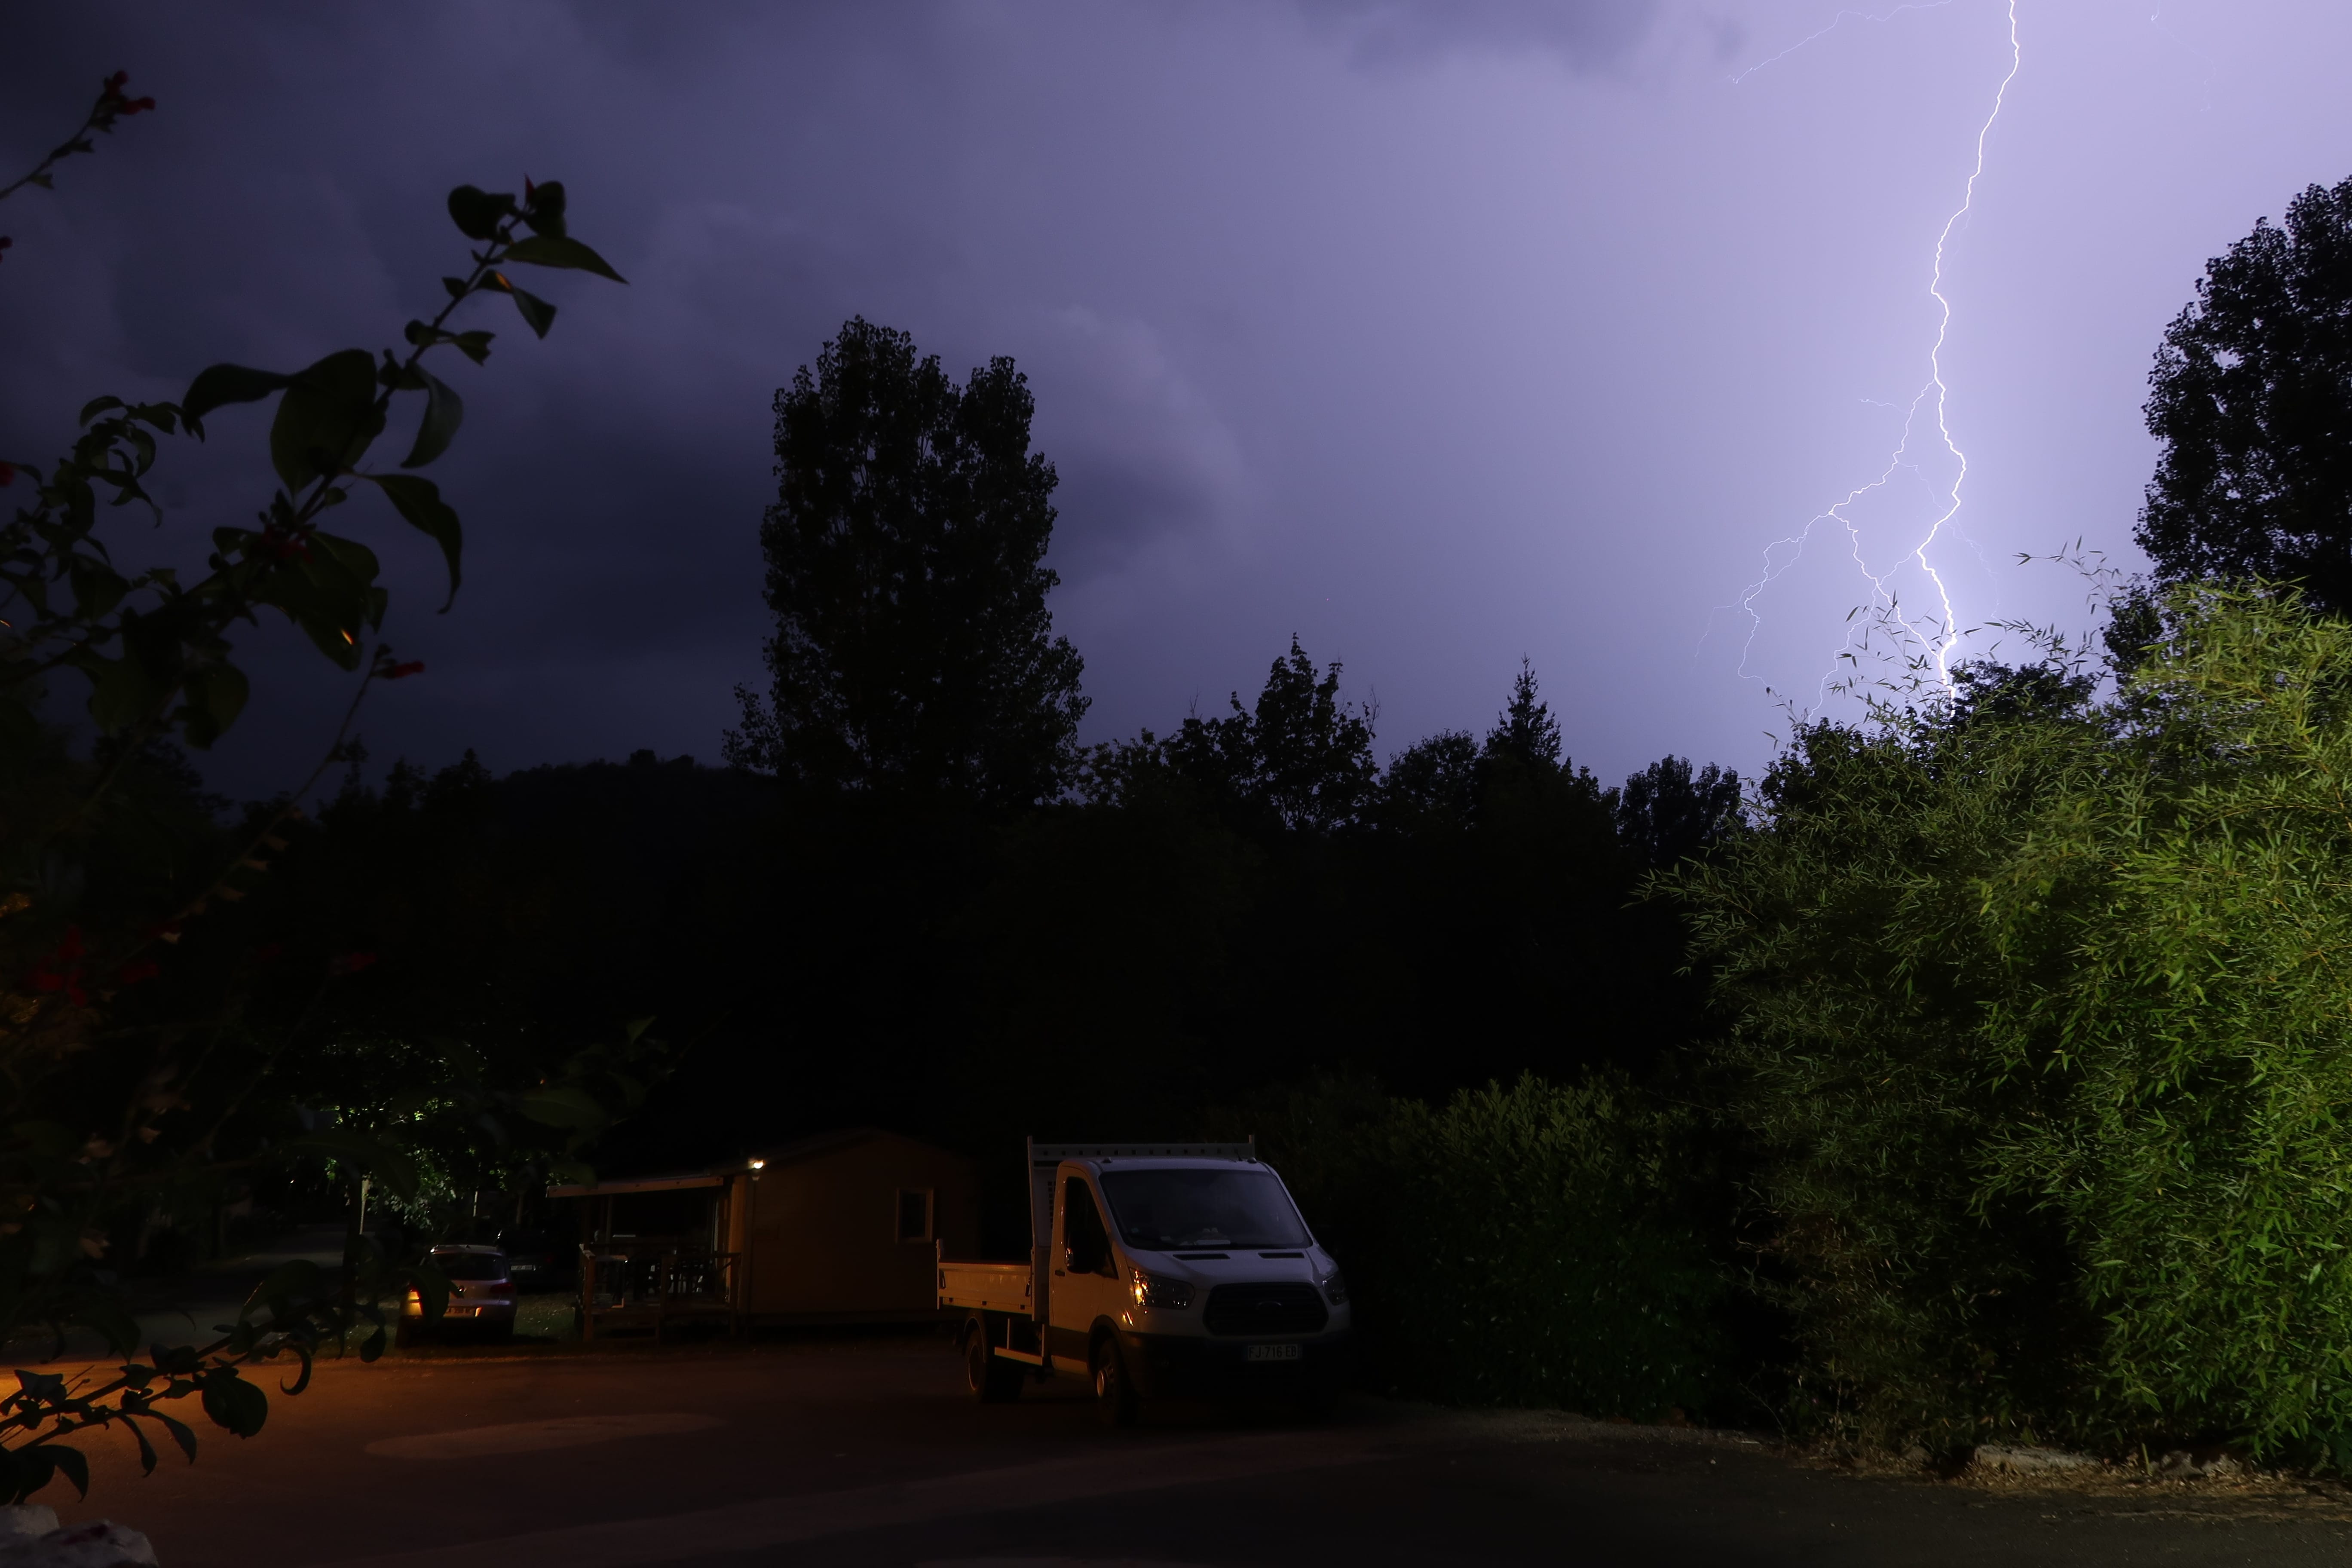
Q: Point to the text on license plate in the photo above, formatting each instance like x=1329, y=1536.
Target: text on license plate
x=1270, y=1352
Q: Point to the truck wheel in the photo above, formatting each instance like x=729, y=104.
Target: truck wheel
x=994, y=1380
x=1115, y=1401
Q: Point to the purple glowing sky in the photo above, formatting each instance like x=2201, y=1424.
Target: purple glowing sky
x=1436, y=333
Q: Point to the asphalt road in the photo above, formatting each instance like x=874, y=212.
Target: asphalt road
x=870, y=1453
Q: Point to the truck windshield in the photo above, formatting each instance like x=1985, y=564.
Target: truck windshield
x=1161, y=1211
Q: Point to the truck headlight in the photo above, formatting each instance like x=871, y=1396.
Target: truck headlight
x=1335, y=1287
x=1159, y=1290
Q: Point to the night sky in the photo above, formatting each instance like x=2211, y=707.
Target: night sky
x=1436, y=333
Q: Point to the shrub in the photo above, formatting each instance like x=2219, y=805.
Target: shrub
x=2044, y=1035
x=1514, y=1246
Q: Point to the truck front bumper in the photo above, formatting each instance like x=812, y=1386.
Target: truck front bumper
x=1182, y=1366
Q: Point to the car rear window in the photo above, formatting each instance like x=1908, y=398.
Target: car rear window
x=470, y=1265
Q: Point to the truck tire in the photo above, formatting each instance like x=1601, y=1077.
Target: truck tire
x=994, y=1380
x=1115, y=1400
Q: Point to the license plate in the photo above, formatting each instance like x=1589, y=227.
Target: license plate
x=1270, y=1352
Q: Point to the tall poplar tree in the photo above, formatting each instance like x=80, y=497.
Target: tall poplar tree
x=913, y=652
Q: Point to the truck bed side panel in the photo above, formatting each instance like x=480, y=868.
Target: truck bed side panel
x=986, y=1287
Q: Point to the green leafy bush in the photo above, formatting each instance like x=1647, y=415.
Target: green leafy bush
x=2044, y=1038
x=1514, y=1246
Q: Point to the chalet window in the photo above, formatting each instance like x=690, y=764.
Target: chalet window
x=914, y=1213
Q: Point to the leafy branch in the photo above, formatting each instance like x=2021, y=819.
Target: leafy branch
x=110, y=107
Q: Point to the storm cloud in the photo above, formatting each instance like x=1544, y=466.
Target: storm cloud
x=1436, y=334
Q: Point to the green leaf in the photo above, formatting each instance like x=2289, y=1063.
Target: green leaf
x=146, y=1449
x=419, y=501
x=70, y=1461
x=181, y=1433
x=98, y=406
x=326, y=420
x=302, y=1379
x=545, y=213
x=552, y=250
x=443, y=411
x=219, y=384
x=535, y=311
x=122, y=693
x=330, y=595
x=97, y=588
x=232, y=1403
x=213, y=699
x=477, y=213
x=287, y=1284
x=474, y=345
x=355, y=561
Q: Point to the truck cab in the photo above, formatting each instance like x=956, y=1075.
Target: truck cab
x=1157, y=1270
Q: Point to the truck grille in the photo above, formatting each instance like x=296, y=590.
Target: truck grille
x=1283, y=1308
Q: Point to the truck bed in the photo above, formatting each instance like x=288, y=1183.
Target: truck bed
x=986, y=1287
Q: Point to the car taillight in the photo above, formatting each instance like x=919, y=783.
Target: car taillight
x=503, y=1288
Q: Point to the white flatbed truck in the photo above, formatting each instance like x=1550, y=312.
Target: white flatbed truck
x=1156, y=1269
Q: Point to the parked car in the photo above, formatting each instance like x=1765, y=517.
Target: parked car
x=481, y=1295
x=537, y=1260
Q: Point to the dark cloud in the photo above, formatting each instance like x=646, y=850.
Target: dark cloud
x=1584, y=34
x=1436, y=333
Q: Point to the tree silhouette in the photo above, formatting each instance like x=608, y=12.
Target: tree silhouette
x=2252, y=403
x=1524, y=728
x=913, y=652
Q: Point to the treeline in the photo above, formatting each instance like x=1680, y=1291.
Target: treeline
x=1168, y=940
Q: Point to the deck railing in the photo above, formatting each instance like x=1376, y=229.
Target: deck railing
x=656, y=1285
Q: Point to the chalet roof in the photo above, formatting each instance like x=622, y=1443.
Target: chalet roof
x=798, y=1150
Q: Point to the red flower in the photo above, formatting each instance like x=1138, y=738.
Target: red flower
x=403, y=671
x=137, y=969
x=114, y=84
x=58, y=972
x=6, y=242
x=267, y=951
x=8, y=470
x=351, y=963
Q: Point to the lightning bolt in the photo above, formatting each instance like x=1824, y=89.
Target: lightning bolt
x=1934, y=634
